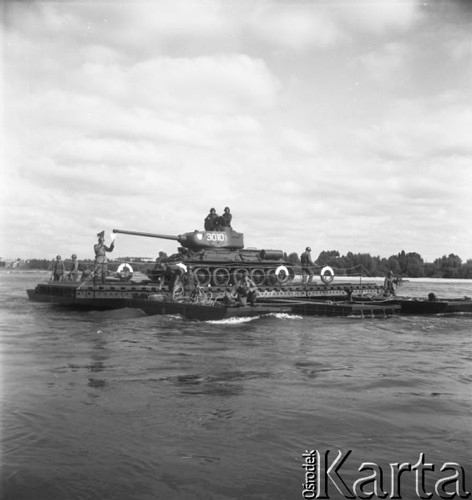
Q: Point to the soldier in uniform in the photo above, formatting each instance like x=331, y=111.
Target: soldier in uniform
x=211, y=220
x=225, y=219
x=73, y=273
x=101, y=265
x=173, y=274
x=58, y=269
x=307, y=266
x=389, y=284
x=246, y=290
x=157, y=273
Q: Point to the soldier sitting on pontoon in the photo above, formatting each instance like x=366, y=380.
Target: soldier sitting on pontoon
x=245, y=291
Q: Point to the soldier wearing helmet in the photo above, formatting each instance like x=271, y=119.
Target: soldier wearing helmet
x=58, y=269
x=211, y=220
x=389, y=284
x=73, y=273
x=101, y=263
x=225, y=219
x=307, y=266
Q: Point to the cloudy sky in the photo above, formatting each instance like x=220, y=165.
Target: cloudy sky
x=340, y=124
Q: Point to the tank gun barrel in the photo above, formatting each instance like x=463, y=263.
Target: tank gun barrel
x=198, y=240
x=149, y=235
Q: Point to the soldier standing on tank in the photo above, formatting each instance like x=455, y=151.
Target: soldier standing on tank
x=101, y=265
x=211, y=220
x=225, y=219
x=307, y=264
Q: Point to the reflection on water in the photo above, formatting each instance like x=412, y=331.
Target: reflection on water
x=118, y=405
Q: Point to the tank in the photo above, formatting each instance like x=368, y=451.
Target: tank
x=219, y=258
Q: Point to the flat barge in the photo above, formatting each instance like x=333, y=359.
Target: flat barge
x=418, y=305
x=344, y=299
x=116, y=295
x=88, y=296
x=219, y=311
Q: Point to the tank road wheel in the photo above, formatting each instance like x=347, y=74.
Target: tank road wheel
x=258, y=276
x=202, y=275
x=291, y=273
x=271, y=278
x=237, y=274
x=220, y=276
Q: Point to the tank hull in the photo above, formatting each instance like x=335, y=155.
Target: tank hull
x=218, y=258
x=224, y=267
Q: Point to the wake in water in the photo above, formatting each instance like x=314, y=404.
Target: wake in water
x=247, y=319
x=232, y=321
x=285, y=316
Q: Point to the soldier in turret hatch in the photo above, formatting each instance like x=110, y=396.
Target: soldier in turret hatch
x=225, y=219
x=211, y=220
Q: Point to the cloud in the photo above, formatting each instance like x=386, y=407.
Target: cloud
x=191, y=28
x=150, y=114
x=421, y=130
x=298, y=26
x=202, y=83
x=459, y=47
x=380, y=17
x=387, y=65
x=114, y=26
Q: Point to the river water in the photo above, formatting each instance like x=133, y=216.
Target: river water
x=118, y=405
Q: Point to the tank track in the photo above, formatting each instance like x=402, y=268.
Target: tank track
x=222, y=275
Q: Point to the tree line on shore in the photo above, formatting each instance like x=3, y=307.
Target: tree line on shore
x=408, y=265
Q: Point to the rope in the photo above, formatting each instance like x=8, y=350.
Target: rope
x=339, y=270
x=89, y=277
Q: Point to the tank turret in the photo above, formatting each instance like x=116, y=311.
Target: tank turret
x=226, y=238
x=219, y=258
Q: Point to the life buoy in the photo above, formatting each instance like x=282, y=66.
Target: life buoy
x=327, y=275
x=282, y=274
x=125, y=271
x=182, y=266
